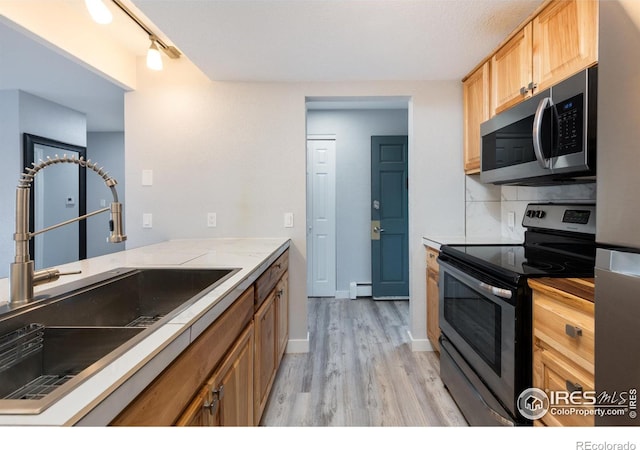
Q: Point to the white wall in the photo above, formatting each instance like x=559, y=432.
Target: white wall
x=10, y=152
x=107, y=149
x=238, y=149
x=26, y=113
x=353, y=130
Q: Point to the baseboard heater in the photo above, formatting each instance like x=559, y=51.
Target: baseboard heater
x=359, y=290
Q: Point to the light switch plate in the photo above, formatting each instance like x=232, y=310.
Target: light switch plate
x=147, y=177
x=511, y=219
x=147, y=220
x=288, y=220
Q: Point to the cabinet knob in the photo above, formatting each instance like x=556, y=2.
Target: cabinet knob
x=572, y=331
x=523, y=90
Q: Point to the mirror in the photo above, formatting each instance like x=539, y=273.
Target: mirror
x=46, y=93
x=58, y=193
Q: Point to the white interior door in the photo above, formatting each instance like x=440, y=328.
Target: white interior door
x=321, y=220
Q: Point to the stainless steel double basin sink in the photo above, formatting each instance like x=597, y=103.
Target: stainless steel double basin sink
x=51, y=344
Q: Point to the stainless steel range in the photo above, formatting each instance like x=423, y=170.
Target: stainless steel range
x=485, y=307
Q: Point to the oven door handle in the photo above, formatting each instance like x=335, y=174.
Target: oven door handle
x=498, y=292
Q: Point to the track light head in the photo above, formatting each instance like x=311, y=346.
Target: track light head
x=99, y=11
x=154, y=59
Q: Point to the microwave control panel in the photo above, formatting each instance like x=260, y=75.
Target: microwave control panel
x=570, y=115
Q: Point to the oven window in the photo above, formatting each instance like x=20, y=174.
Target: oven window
x=475, y=318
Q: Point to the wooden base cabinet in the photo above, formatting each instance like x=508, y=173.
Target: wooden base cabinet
x=282, y=311
x=433, y=298
x=164, y=401
x=225, y=376
x=266, y=353
x=227, y=398
x=271, y=329
x=563, y=350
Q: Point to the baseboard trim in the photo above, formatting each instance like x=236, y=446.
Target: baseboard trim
x=420, y=345
x=298, y=345
x=342, y=294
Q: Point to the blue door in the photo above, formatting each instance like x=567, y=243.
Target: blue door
x=389, y=217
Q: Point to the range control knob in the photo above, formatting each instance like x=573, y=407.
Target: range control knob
x=530, y=213
x=540, y=214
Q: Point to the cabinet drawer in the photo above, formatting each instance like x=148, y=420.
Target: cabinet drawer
x=555, y=373
x=270, y=277
x=567, y=325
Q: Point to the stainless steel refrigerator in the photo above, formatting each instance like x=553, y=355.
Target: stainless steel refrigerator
x=617, y=307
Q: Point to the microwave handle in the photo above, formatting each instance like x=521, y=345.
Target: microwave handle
x=545, y=163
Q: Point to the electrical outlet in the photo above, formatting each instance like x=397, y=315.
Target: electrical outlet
x=211, y=219
x=511, y=219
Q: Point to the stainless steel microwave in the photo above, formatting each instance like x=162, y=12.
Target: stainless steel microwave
x=547, y=139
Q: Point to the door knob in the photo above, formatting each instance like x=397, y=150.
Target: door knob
x=378, y=229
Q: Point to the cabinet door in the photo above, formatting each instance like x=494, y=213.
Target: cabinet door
x=511, y=71
x=282, y=308
x=265, y=353
x=475, y=91
x=232, y=385
x=197, y=413
x=565, y=40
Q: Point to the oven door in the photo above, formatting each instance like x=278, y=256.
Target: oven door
x=477, y=316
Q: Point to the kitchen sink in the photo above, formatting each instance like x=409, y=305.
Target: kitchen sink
x=43, y=358
x=67, y=333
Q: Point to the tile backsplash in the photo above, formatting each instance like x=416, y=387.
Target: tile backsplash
x=488, y=206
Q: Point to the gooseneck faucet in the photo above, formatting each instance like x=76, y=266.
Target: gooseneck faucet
x=23, y=276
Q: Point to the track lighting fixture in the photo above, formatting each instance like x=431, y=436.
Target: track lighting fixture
x=101, y=14
x=99, y=11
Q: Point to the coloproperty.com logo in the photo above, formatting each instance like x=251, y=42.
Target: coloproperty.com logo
x=534, y=403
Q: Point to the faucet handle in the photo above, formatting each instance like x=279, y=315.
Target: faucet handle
x=49, y=275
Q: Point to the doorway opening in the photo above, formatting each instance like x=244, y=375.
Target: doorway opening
x=57, y=195
x=343, y=265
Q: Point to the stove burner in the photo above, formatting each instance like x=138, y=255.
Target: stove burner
x=543, y=266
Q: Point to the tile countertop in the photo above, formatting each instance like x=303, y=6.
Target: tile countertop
x=105, y=393
x=435, y=241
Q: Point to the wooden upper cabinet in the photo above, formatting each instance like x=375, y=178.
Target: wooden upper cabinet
x=475, y=91
x=511, y=71
x=565, y=40
x=560, y=40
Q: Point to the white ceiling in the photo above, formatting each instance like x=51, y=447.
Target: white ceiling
x=336, y=40
x=276, y=40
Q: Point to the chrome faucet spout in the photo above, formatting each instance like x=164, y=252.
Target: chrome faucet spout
x=23, y=276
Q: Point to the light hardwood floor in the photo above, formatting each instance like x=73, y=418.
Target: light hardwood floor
x=360, y=371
